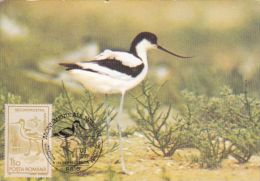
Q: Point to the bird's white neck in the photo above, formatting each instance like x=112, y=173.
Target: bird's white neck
x=22, y=126
x=141, y=50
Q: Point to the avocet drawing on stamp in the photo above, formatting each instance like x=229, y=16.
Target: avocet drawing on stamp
x=30, y=134
x=24, y=127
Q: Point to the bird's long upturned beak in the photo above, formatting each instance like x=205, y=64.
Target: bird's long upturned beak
x=174, y=54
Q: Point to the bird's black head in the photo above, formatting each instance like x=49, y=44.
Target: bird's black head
x=76, y=123
x=150, y=38
x=146, y=40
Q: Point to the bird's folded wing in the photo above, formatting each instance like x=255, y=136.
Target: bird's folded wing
x=66, y=131
x=126, y=58
x=108, y=67
x=106, y=54
x=119, y=65
x=31, y=133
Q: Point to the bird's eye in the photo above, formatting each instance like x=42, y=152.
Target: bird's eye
x=153, y=40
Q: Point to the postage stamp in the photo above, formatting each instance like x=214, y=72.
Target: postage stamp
x=76, y=143
x=24, y=128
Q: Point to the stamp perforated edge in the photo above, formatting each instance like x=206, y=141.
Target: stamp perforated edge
x=49, y=174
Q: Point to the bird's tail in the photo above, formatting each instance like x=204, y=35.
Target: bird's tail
x=70, y=66
x=55, y=134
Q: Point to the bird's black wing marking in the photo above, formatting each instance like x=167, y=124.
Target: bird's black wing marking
x=71, y=66
x=118, y=66
x=112, y=64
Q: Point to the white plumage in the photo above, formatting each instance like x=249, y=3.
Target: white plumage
x=103, y=79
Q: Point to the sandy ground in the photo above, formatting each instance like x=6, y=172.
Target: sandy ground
x=146, y=166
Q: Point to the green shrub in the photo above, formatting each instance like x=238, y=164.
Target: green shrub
x=125, y=133
x=97, y=113
x=207, y=129
x=222, y=126
x=164, y=134
x=241, y=115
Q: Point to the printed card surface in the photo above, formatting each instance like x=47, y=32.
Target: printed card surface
x=123, y=90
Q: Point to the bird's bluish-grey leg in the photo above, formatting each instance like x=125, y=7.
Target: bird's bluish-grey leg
x=119, y=117
x=29, y=150
x=65, y=150
x=107, y=120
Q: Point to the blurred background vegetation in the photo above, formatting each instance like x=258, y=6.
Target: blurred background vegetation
x=222, y=36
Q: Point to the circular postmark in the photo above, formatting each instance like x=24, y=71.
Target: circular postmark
x=72, y=143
